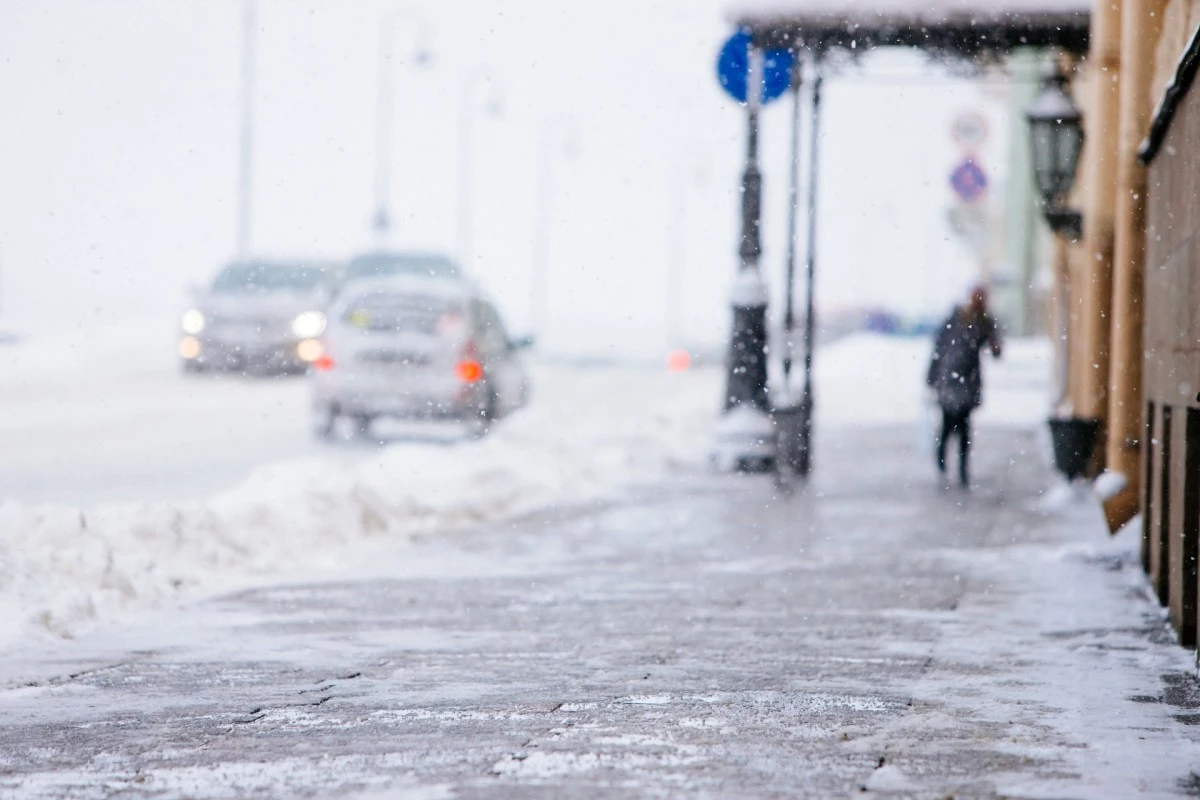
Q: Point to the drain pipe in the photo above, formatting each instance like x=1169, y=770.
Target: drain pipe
x=1141, y=24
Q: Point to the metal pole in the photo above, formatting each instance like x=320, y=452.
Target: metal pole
x=246, y=148
x=746, y=434
x=789, y=317
x=747, y=379
x=806, y=402
x=383, y=132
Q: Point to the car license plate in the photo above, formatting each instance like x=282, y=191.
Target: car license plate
x=242, y=331
x=394, y=358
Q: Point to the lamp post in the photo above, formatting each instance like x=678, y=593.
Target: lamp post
x=1056, y=135
x=745, y=436
x=246, y=134
x=382, y=220
x=466, y=162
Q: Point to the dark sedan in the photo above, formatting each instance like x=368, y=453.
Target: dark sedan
x=258, y=316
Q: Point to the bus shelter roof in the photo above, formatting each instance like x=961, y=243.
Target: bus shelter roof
x=965, y=28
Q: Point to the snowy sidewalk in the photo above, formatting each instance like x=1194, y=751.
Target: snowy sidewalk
x=875, y=635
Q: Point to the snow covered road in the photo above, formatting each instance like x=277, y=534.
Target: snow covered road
x=110, y=418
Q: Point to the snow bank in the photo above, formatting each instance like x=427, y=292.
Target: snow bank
x=588, y=434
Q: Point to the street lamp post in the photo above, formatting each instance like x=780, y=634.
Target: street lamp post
x=745, y=436
x=382, y=220
x=466, y=160
x=246, y=136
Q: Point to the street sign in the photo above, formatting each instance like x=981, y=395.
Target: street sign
x=968, y=181
x=733, y=69
x=969, y=131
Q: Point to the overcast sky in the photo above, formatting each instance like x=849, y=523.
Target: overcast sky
x=118, y=157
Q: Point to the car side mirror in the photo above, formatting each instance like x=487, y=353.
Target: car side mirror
x=521, y=343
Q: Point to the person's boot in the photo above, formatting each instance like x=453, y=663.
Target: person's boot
x=940, y=463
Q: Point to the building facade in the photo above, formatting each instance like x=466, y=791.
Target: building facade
x=1171, y=365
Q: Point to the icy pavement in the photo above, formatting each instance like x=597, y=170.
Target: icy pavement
x=872, y=636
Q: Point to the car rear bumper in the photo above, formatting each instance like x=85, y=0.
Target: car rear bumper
x=447, y=399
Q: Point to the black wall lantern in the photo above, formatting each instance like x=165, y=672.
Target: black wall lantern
x=1056, y=135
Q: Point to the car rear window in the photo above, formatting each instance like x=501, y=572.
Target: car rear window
x=268, y=278
x=384, y=265
x=385, y=311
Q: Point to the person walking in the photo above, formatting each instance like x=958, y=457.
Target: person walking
x=956, y=376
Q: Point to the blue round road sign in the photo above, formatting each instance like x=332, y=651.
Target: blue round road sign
x=733, y=69
x=969, y=181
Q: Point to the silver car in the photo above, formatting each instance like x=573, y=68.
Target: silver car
x=258, y=316
x=415, y=347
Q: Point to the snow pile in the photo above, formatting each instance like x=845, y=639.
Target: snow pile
x=588, y=434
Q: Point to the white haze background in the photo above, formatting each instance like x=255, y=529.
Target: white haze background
x=118, y=158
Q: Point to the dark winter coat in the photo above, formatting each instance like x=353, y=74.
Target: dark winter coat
x=955, y=370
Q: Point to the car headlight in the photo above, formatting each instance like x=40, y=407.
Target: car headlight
x=308, y=324
x=192, y=322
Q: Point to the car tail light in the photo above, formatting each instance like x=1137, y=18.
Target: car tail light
x=323, y=363
x=678, y=360
x=468, y=370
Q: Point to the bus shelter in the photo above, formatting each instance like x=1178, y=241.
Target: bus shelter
x=970, y=32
